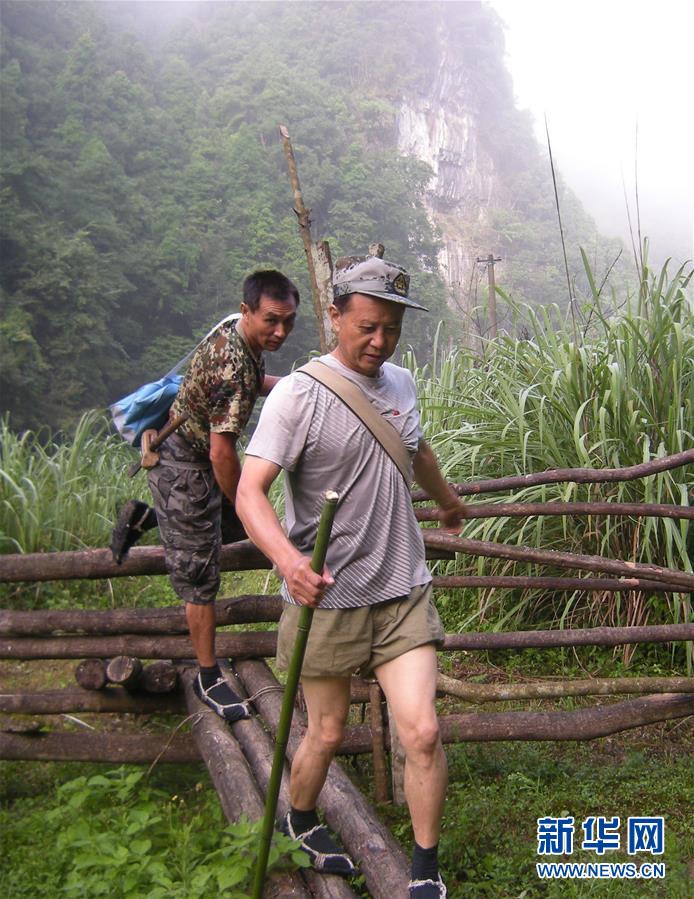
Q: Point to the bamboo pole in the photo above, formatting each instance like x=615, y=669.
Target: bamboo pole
x=381, y=860
x=257, y=746
x=232, y=778
x=293, y=674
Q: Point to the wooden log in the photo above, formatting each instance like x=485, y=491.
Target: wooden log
x=261, y=644
x=486, y=548
x=232, y=778
x=584, y=724
x=380, y=766
x=124, y=671
x=99, y=564
x=113, y=699
x=159, y=677
x=258, y=749
x=528, y=510
x=381, y=860
x=570, y=476
x=117, y=749
x=90, y=674
x=397, y=761
x=590, y=636
x=592, y=584
x=169, y=620
x=256, y=644
x=607, y=686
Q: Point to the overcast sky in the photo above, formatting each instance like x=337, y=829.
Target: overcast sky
x=597, y=70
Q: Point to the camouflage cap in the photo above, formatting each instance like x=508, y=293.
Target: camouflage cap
x=374, y=277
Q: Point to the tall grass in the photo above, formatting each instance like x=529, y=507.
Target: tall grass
x=60, y=492
x=621, y=394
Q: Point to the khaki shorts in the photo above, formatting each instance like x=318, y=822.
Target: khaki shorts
x=342, y=642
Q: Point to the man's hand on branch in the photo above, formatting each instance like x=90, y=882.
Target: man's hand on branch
x=304, y=585
x=451, y=516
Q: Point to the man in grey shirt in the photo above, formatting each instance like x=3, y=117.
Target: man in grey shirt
x=374, y=611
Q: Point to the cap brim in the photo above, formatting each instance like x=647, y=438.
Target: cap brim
x=393, y=298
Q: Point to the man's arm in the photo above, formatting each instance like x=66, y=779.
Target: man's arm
x=264, y=528
x=428, y=475
x=226, y=465
x=269, y=382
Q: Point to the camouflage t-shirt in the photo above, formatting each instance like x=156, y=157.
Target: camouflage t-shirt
x=220, y=387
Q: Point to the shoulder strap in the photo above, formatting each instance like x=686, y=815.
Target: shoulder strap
x=353, y=397
x=181, y=362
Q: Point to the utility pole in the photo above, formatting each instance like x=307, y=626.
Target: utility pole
x=489, y=262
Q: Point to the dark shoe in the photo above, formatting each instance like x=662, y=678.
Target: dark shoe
x=325, y=854
x=222, y=700
x=428, y=889
x=133, y=520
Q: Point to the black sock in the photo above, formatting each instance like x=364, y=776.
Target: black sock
x=425, y=863
x=303, y=821
x=210, y=675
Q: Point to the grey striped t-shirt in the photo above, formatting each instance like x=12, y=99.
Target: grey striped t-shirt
x=376, y=550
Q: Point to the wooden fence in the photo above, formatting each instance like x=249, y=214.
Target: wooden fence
x=239, y=757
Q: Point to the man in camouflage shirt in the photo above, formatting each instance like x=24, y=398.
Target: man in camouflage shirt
x=199, y=467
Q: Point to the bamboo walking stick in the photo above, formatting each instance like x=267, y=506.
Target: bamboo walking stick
x=293, y=674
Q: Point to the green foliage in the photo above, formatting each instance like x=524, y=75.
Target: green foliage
x=116, y=835
x=142, y=178
x=61, y=493
x=519, y=783
x=621, y=396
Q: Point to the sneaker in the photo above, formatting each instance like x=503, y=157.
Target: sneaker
x=323, y=851
x=428, y=889
x=133, y=520
x=222, y=699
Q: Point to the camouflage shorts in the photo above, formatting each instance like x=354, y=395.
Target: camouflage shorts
x=188, y=504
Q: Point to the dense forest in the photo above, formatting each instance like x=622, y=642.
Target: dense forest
x=142, y=176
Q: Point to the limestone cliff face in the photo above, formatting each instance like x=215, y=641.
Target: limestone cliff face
x=439, y=124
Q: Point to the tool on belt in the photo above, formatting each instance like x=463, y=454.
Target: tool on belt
x=320, y=551
x=151, y=440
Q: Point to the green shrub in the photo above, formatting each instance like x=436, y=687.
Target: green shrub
x=622, y=395
x=115, y=835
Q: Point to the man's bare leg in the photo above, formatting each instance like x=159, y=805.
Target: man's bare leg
x=409, y=683
x=327, y=703
x=210, y=685
x=202, y=623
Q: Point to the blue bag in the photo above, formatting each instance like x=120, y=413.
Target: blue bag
x=148, y=406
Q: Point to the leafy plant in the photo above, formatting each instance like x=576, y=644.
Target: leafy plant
x=115, y=835
x=623, y=395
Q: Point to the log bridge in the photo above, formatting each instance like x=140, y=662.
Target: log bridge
x=113, y=677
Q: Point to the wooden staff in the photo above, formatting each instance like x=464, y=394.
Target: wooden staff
x=293, y=674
